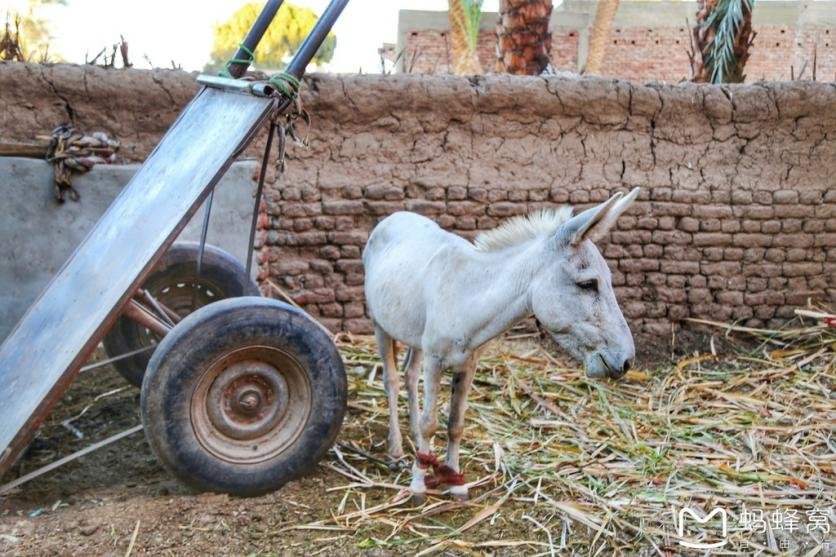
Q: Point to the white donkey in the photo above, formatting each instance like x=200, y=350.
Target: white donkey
x=445, y=297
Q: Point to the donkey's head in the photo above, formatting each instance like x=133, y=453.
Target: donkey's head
x=572, y=295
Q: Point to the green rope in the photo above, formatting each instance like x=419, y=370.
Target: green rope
x=287, y=84
x=225, y=70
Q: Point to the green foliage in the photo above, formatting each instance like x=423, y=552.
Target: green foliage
x=471, y=14
x=726, y=18
x=282, y=39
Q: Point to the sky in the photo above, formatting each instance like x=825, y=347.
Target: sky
x=181, y=30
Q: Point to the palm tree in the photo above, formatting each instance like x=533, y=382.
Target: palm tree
x=523, y=40
x=721, y=39
x=600, y=35
x=465, y=16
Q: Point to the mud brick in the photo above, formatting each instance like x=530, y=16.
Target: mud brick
x=789, y=226
x=559, y=195
x=712, y=212
x=331, y=310
x=762, y=197
x=614, y=251
x=301, y=225
x=711, y=239
x=775, y=255
x=729, y=298
x=824, y=211
x=664, y=237
x=349, y=293
x=783, y=197
x=653, y=251
x=796, y=254
x=736, y=283
x=677, y=281
x=678, y=312
x=436, y=194
x=486, y=223
x=343, y=207
x=670, y=209
x=647, y=223
x=350, y=252
x=751, y=225
x=712, y=254
x=354, y=309
x=316, y=296
x=330, y=252
x=465, y=223
x=477, y=194
x=741, y=197
x=538, y=195
x=680, y=267
x=618, y=278
x=801, y=269
x=425, y=207
x=793, y=240
x=495, y=196
x=825, y=240
x=758, y=213
x=794, y=211
x=733, y=254
x=324, y=223
x=355, y=237
x=764, y=311
x=517, y=195
x=344, y=223
x=384, y=208
x=751, y=255
x=634, y=279
x=756, y=284
x=667, y=223
x=386, y=192
x=771, y=226
x=697, y=281
x=459, y=208
x=359, y=326
x=456, y=193
x=814, y=226
x=634, y=265
x=721, y=268
x=711, y=225
x=655, y=279
x=742, y=312
x=626, y=222
x=321, y=266
x=672, y=295
x=446, y=221
x=660, y=194
x=752, y=240
x=578, y=196
x=810, y=197
x=730, y=226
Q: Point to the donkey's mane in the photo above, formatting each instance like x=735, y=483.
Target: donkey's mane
x=522, y=228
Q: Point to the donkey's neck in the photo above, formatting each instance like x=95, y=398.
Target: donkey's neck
x=499, y=287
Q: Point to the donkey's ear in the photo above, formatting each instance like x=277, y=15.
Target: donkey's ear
x=602, y=227
x=575, y=230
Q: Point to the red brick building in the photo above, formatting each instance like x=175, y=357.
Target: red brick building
x=650, y=40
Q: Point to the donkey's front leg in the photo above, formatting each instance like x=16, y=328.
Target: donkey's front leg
x=427, y=426
x=462, y=380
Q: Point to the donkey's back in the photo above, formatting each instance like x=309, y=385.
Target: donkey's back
x=398, y=261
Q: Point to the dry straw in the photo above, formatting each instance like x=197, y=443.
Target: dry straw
x=560, y=464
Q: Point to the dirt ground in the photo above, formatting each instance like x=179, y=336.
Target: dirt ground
x=119, y=500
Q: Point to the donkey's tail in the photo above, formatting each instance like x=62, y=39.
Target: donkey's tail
x=407, y=361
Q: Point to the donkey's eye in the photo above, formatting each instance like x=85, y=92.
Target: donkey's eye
x=591, y=285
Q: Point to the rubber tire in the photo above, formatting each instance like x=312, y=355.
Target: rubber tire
x=198, y=340
x=219, y=269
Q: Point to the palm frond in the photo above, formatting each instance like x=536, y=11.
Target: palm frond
x=726, y=18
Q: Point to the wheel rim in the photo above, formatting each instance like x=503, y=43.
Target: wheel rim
x=251, y=404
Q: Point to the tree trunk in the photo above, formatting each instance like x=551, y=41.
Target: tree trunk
x=465, y=58
x=599, y=36
x=523, y=40
x=707, y=64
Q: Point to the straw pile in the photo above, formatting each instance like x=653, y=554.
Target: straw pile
x=559, y=464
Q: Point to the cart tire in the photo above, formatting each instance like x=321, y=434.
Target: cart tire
x=243, y=396
x=172, y=283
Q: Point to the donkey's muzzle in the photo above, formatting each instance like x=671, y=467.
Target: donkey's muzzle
x=616, y=372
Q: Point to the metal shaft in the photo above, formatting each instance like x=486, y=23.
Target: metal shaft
x=252, y=39
x=306, y=52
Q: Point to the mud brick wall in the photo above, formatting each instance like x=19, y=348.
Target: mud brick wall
x=737, y=218
x=736, y=221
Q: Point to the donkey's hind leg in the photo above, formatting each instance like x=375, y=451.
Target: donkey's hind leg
x=462, y=381
x=391, y=380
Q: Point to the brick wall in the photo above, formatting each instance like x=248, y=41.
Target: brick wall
x=737, y=219
x=654, y=53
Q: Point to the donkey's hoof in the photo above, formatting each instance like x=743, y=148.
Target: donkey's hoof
x=459, y=493
x=419, y=498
